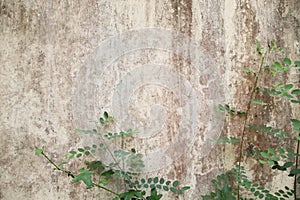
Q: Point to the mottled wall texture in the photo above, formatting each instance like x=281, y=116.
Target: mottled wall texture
x=157, y=65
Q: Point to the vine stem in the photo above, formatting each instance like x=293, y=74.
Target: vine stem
x=69, y=173
x=113, y=157
x=262, y=61
x=107, y=148
x=57, y=167
x=297, y=160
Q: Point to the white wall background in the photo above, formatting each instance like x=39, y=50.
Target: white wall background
x=65, y=61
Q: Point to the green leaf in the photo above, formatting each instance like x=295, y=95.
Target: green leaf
x=277, y=65
x=271, y=151
x=286, y=187
x=241, y=112
x=162, y=180
x=95, y=165
x=73, y=152
x=154, y=195
x=175, y=183
x=38, y=151
x=276, y=158
x=143, y=180
x=103, y=181
x=108, y=173
x=248, y=70
x=256, y=193
x=270, y=162
x=296, y=91
x=267, y=129
x=79, y=155
x=290, y=193
x=102, y=121
x=294, y=172
x=220, y=107
x=166, y=188
x=180, y=192
x=286, y=94
x=281, y=150
x=101, y=146
x=131, y=194
x=185, y=188
x=288, y=86
x=173, y=190
x=298, y=137
x=262, y=162
x=295, y=101
x=227, y=107
x=80, y=131
x=297, y=63
x=258, y=102
x=288, y=164
x=265, y=191
x=287, y=61
x=264, y=154
x=133, y=150
x=105, y=115
x=62, y=163
x=296, y=125
x=84, y=176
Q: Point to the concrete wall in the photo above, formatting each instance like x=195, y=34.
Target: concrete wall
x=159, y=66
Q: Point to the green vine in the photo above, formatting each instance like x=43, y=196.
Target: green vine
x=97, y=174
x=233, y=184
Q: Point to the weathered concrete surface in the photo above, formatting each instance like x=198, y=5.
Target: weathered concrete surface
x=44, y=45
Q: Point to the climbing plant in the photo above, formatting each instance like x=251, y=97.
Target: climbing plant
x=235, y=183
x=126, y=166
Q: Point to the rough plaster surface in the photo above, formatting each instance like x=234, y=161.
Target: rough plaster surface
x=46, y=45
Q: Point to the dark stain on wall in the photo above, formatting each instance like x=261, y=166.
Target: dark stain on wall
x=5, y=10
x=182, y=15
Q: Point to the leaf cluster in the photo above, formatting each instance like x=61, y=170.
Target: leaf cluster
x=229, y=185
x=97, y=174
x=158, y=183
x=228, y=109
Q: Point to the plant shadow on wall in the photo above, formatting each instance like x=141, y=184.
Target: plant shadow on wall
x=124, y=170
x=235, y=184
